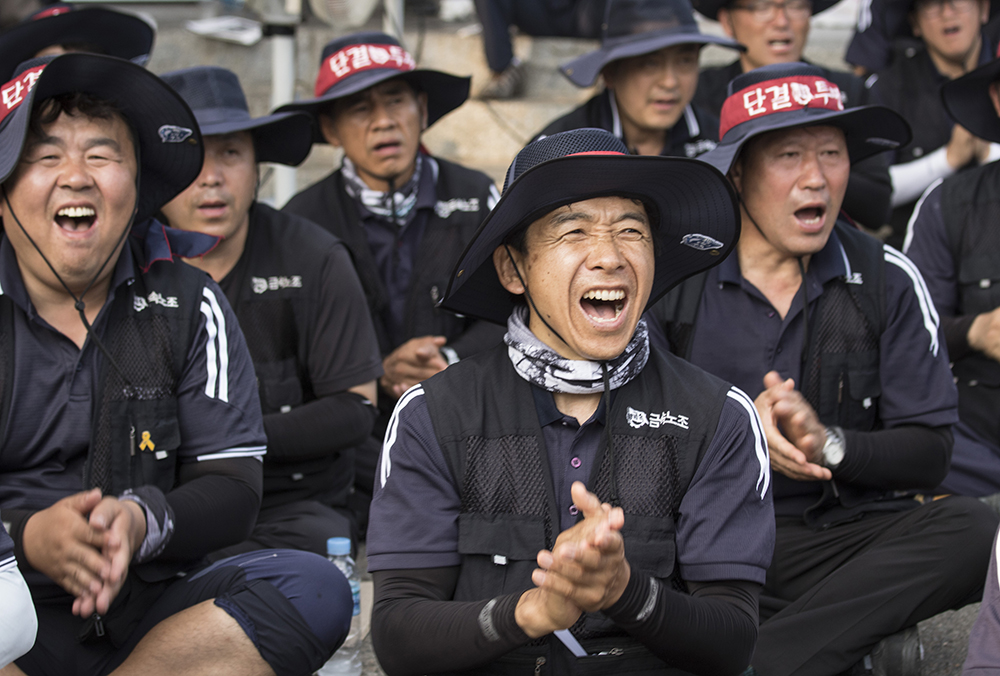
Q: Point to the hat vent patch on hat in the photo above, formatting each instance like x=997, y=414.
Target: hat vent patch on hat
x=780, y=95
x=14, y=92
x=701, y=242
x=170, y=133
x=54, y=11
x=359, y=58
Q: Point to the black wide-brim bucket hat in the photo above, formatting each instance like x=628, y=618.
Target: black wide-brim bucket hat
x=691, y=206
x=967, y=100
x=635, y=27
x=355, y=62
x=787, y=95
x=114, y=32
x=220, y=107
x=710, y=8
x=170, y=149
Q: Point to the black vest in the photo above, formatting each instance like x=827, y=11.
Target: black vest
x=840, y=372
x=484, y=417
x=150, y=328
x=970, y=207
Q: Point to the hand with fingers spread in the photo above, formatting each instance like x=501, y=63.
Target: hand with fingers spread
x=587, y=565
x=123, y=525
x=412, y=362
x=795, y=436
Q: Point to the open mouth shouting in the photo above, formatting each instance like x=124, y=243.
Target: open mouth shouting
x=811, y=217
x=77, y=218
x=603, y=305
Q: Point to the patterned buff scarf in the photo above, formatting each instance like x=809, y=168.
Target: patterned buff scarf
x=376, y=201
x=540, y=365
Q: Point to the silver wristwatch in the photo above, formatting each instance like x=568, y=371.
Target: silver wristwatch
x=833, y=449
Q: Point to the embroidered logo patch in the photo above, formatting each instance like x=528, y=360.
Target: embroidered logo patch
x=170, y=133
x=639, y=419
x=701, y=242
x=140, y=303
x=446, y=209
x=262, y=284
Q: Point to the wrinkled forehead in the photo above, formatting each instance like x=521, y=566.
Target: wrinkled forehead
x=804, y=135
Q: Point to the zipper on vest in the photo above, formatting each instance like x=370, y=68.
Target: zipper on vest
x=538, y=665
x=131, y=441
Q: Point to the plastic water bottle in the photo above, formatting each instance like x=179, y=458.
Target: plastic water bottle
x=347, y=660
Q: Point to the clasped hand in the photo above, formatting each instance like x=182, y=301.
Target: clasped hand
x=85, y=543
x=585, y=571
x=795, y=436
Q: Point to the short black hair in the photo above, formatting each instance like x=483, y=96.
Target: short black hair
x=77, y=103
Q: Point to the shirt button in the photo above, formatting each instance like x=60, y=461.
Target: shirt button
x=573, y=510
x=770, y=314
x=576, y=463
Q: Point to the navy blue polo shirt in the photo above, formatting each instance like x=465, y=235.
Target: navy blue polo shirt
x=722, y=532
x=394, y=248
x=47, y=438
x=739, y=336
x=6, y=550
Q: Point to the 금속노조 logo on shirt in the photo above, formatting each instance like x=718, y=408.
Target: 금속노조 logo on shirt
x=446, y=209
x=274, y=283
x=639, y=419
x=154, y=297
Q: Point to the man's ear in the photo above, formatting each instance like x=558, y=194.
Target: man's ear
x=505, y=269
x=608, y=74
x=735, y=175
x=422, y=103
x=914, y=24
x=329, y=129
x=994, y=97
x=726, y=19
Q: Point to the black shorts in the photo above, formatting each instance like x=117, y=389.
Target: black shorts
x=295, y=606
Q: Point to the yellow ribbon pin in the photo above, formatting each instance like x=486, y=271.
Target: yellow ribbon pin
x=147, y=443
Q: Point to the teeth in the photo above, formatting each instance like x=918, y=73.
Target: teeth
x=76, y=212
x=604, y=295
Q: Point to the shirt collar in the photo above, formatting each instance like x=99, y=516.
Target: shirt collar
x=828, y=263
x=12, y=284
x=545, y=407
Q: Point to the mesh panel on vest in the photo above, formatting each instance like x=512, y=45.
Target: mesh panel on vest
x=648, y=475
x=141, y=346
x=504, y=476
x=841, y=327
x=270, y=330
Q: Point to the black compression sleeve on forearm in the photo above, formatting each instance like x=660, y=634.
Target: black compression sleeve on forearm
x=956, y=335
x=316, y=429
x=689, y=632
x=214, y=506
x=17, y=518
x=416, y=629
x=907, y=457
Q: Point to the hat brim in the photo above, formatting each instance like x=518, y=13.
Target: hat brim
x=583, y=71
x=165, y=167
x=445, y=93
x=868, y=131
x=282, y=138
x=710, y=8
x=967, y=100
x=118, y=33
x=691, y=198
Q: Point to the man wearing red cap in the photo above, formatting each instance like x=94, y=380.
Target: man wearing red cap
x=404, y=215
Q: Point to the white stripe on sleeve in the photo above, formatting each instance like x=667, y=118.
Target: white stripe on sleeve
x=223, y=341
x=920, y=289
x=236, y=452
x=760, y=440
x=916, y=213
x=391, y=430
x=211, y=361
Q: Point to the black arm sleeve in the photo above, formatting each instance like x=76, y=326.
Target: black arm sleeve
x=687, y=631
x=956, y=335
x=906, y=457
x=17, y=518
x=416, y=629
x=214, y=506
x=324, y=425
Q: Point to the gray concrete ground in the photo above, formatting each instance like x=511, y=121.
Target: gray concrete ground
x=487, y=136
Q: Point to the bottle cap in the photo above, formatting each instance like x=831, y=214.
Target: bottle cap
x=338, y=546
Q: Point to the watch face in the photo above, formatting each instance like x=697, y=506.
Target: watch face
x=833, y=450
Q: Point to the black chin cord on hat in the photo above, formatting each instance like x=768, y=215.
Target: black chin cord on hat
x=605, y=395
x=78, y=303
x=802, y=272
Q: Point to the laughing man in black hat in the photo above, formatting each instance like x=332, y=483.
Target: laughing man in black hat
x=62, y=28
x=131, y=426
x=952, y=239
x=649, y=62
x=776, y=32
x=574, y=500
x=852, y=385
x=300, y=306
x=404, y=215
